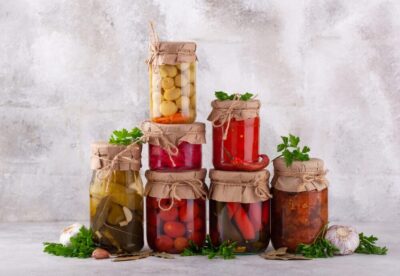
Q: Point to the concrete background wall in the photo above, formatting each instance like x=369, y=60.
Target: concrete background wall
x=73, y=71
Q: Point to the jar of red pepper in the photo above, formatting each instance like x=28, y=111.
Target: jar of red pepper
x=175, y=209
x=236, y=132
x=299, y=208
x=239, y=209
x=175, y=146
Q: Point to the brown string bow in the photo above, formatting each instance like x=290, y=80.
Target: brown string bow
x=310, y=180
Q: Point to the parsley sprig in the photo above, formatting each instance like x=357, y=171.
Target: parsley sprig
x=320, y=248
x=367, y=246
x=82, y=246
x=223, y=96
x=125, y=137
x=291, y=151
x=225, y=250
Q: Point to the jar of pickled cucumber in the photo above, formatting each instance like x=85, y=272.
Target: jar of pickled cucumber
x=236, y=134
x=299, y=208
x=175, y=146
x=172, y=68
x=175, y=209
x=116, y=197
x=239, y=209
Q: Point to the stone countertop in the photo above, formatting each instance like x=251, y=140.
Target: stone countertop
x=21, y=253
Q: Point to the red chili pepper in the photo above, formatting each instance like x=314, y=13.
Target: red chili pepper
x=238, y=164
x=232, y=207
x=255, y=214
x=244, y=224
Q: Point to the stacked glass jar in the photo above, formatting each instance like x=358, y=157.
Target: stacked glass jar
x=175, y=190
x=239, y=193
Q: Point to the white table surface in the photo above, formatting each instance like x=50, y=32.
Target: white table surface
x=21, y=254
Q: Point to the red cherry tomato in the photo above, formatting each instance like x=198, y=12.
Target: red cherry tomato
x=169, y=215
x=174, y=229
x=195, y=225
x=180, y=244
x=164, y=243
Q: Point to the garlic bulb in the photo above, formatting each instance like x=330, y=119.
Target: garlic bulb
x=345, y=238
x=69, y=232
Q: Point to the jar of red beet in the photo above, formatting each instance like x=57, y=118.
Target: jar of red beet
x=299, y=207
x=239, y=209
x=175, y=209
x=175, y=146
x=236, y=133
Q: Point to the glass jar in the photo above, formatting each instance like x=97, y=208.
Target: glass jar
x=116, y=198
x=299, y=208
x=236, y=140
x=172, y=222
x=240, y=210
x=175, y=147
x=173, y=83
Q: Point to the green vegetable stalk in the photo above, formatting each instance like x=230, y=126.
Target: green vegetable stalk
x=225, y=250
x=320, y=248
x=367, y=246
x=223, y=96
x=125, y=137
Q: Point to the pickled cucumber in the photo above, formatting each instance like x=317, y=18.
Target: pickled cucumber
x=168, y=108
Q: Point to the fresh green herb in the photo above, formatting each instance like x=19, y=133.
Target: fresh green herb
x=291, y=151
x=367, y=246
x=225, y=250
x=82, y=246
x=125, y=137
x=223, y=96
x=320, y=248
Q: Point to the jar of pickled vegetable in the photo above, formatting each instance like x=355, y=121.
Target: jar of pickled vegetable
x=172, y=68
x=175, y=147
x=239, y=209
x=116, y=197
x=175, y=209
x=299, y=207
x=236, y=133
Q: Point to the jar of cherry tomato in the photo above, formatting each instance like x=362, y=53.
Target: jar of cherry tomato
x=236, y=133
x=172, y=68
x=175, y=209
x=239, y=209
x=175, y=147
x=116, y=197
x=300, y=202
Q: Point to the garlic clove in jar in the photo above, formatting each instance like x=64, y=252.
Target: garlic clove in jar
x=69, y=232
x=345, y=238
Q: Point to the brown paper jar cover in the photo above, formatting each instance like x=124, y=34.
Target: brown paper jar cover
x=240, y=110
x=172, y=52
x=243, y=187
x=177, y=185
x=300, y=176
x=127, y=158
x=161, y=134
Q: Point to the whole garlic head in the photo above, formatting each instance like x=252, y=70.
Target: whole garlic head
x=69, y=232
x=345, y=238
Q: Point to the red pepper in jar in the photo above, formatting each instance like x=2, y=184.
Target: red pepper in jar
x=244, y=224
x=255, y=214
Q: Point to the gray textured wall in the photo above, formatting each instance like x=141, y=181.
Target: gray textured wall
x=72, y=71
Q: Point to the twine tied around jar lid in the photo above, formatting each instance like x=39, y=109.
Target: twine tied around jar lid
x=244, y=187
x=176, y=186
x=107, y=158
x=163, y=52
x=301, y=176
x=224, y=111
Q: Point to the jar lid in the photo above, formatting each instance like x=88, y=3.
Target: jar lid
x=115, y=157
x=237, y=109
x=300, y=176
x=164, y=134
x=176, y=185
x=244, y=187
